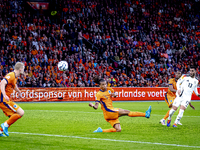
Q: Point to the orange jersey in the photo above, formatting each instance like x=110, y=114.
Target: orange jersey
x=105, y=100
x=11, y=82
x=172, y=82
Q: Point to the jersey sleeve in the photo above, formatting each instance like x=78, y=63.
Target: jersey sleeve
x=195, y=88
x=9, y=78
x=98, y=97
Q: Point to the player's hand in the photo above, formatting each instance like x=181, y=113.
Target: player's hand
x=192, y=107
x=179, y=92
x=6, y=97
x=113, y=94
x=91, y=105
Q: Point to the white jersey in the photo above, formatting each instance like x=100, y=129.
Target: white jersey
x=187, y=85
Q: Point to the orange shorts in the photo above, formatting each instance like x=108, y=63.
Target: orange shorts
x=169, y=99
x=8, y=107
x=112, y=117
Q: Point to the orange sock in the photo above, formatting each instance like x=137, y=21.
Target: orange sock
x=12, y=119
x=167, y=115
x=109, y=130
x=136, y=114
x=1, y=129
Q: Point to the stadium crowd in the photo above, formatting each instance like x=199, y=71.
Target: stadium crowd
x=129, y=43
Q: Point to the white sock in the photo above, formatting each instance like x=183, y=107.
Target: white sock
x=1, y=132
x=171, y=112
x=179, y=116
x=6, y=125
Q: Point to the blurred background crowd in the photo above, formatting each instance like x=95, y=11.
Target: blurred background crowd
x=130, y=43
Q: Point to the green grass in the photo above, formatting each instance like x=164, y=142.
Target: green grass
x=78, y=119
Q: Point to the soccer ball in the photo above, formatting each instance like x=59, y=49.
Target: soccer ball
x=62, y=65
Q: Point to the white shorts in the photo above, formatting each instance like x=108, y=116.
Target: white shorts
x=184, y=101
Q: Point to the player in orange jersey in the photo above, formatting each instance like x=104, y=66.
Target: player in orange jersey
x=111, y=114
x=10, y=109
x=171, y=95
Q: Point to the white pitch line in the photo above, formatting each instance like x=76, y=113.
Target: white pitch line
x=90, y=112
x=112, y=140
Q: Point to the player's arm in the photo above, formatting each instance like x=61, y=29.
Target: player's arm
x=171, y=88
x=192, y=106
x=95, y=106
x=178, y=84
x=3, y=85
x=17, y=90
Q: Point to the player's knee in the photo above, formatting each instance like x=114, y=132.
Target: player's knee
x=118, y=130
x=21, y=113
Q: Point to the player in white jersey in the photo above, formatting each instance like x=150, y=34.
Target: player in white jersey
x=185, y=87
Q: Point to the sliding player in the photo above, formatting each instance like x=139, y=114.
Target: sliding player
x=10, y=109
x=185, y=88
x=111, y=114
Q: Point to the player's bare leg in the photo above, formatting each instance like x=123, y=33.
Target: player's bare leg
x=123, y=112
x=117, y=127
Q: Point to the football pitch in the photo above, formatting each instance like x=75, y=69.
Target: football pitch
x=60, y=126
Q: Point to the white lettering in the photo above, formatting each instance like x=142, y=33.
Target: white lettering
x=64, y=94
x=23, y=95
x=143, y=94
x=126, y=94
x=86, y=94
x=60, y=94
x=91, y=94
x=31, y=95
x=157, y=94
x=40, y=95
x=46, y=94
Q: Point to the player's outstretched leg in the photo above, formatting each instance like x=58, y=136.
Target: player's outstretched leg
x=135, y=114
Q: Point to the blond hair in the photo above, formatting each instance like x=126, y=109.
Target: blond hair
x=19, y=65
